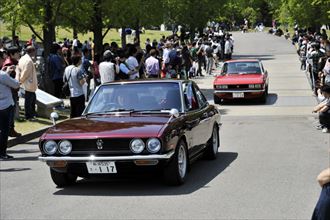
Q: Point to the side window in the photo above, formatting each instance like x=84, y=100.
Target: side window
x=190, y=98
x=202, y=101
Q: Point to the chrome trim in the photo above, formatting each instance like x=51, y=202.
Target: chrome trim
x=108, y=158
x=231, y=91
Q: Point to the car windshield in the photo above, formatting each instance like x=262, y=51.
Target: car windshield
x=241, y=68
x=135, y=97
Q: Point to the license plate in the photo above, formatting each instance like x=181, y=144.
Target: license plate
x=101, y=167
x=238, y=94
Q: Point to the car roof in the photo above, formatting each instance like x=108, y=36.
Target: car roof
x=242, y=60
x=148, y=81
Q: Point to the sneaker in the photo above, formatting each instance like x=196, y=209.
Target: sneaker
x=32, y=119
x=14, y=133
x=319, y=127
x=325, y=130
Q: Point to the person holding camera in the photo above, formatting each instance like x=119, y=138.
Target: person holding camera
x=76, y=79
x=12, y=60
x=6, y=105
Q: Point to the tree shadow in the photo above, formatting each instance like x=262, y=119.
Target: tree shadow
x=14, y=169
x=201, y=174
x=12, y=151
x=271, y=100
x=259, y=57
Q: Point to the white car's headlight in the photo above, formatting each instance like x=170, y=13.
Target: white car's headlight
x=50, y=147
x=153, y=145
x=65, y=147
x=222, y=86
x=137, y=146
x=258, y=86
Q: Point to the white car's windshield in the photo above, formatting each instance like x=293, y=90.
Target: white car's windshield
x=241, y=68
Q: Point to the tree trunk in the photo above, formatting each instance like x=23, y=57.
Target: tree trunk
x=97, y=29
x=75, y=32
x=13, y=29
x=49, y=38
x=137, y=31
x=192, y=34
x=123, y=37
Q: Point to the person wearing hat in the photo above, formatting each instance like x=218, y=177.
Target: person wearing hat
x=12, y=60
x=107, y=68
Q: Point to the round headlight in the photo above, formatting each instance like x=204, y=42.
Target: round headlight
x=137, y=146
x=153, y=145
x=50, y=147
x=65, y=147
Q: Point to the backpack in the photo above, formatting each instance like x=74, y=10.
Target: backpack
x=174, y=59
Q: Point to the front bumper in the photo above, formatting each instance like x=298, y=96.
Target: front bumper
x=107, y=158
x=248, y=94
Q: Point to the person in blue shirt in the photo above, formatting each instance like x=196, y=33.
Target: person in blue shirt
x=85, y=65
x=56, y=66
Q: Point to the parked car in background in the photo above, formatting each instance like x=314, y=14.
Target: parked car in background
x=132, y=127
x=241, y=79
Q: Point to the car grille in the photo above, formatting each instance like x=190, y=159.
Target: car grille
x=245, y=86
x=109, y=147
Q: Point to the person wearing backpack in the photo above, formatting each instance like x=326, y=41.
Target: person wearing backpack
x=209, y=58
x=76, y=79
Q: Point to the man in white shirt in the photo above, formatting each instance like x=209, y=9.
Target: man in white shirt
x=107, y=69
x=133, y=64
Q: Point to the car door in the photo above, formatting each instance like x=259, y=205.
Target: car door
x=205, y=124
x=193, y=116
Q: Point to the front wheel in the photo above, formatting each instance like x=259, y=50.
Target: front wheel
x=216, y=99
x=176, y=171
x=263, y=99
x=62, y=179
x=212, y=144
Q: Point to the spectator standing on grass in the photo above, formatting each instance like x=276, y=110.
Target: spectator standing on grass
x=56, y=67
x=132, y=63
x=12, y=60
x=74, y=75
x=152, y=65
x=85, y=65
x=107, y=68
x=27, y=76
x=6, y=105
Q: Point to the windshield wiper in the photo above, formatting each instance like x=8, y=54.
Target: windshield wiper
x=109, y=111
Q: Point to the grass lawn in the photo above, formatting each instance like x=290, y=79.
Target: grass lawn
x=23, y=126
x=25, y=33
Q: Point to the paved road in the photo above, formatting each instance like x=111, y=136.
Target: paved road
x=269, y=158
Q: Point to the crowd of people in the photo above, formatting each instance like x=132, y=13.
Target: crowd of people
x=74, y=65
x=314, y=52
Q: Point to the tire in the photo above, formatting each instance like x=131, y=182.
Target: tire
x=212, y=144
x=263, y=99
x=176, y=171
x=216, y=99
x=62, y=179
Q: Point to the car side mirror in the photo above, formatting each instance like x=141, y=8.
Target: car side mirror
x=54, y=116
x=174, y=113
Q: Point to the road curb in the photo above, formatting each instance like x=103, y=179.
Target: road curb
x=25, y=138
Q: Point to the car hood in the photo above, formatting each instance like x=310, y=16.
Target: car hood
x=234, y=79
x=108, y=126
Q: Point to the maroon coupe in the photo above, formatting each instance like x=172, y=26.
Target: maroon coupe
x=135, y=126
